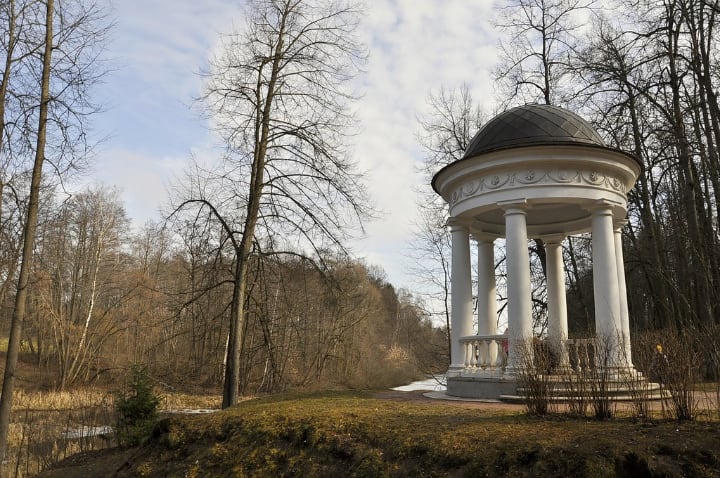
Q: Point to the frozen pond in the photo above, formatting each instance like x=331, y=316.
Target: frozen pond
x=87, y=432
x=434, y=383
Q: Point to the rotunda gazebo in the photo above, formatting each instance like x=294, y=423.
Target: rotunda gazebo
x=534, y=171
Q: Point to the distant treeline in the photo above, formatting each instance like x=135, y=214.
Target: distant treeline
x=103, y=297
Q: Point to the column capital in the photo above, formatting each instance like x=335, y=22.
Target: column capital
x=619, y=224
x=601, y=207
x=553, y=239
x=514, y=206
x=483, y=237
x=456, y=224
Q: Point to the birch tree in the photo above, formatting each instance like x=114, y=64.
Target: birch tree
x=80, y=255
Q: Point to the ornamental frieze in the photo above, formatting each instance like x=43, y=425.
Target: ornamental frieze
x=498, y=181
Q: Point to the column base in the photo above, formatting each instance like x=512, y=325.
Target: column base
x=455, y=370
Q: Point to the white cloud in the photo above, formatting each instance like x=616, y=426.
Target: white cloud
x=415, y=46
x=142, y=180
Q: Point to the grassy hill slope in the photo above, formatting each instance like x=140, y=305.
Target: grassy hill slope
x=353, y=434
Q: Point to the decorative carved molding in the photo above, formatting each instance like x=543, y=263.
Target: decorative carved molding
x=526, y=177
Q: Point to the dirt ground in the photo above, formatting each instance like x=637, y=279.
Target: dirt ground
x=419, y=396
x=94, y=464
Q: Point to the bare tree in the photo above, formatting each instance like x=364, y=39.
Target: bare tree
x=28, y=235
x=647, y=78
x=448, y=128
x=541, y=36
x=79, y=256
x=279, y=95
x=53, y=120
x=15, y=20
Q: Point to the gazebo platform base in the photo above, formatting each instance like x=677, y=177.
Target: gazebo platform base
x=490, y=387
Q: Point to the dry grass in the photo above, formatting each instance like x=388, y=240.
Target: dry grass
x=64, y=400
x=40, y=418
x=351, y=434
x=178, y=400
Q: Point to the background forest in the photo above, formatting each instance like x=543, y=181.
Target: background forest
x=101, y=299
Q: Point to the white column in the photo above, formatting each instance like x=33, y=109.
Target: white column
x=626, y=357
x=605, y=285
x=518, y=286
x=460, y=295
x=556, y=300
x=486, y=299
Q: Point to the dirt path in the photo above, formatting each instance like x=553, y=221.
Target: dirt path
x=706, y=403
x=419, y=396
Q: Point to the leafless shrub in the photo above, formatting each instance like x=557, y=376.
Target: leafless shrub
x=578, y=383
x=674, y=359
x=709, y=348
x=535, y=378
x=680, y=371
x=637, y=386
x=577, y=376
x=601, y=374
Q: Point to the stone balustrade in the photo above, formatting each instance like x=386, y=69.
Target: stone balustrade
x=581, y=353
x=484, y=352
x=488, y=353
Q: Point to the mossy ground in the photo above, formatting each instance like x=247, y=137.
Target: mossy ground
x=354, y=434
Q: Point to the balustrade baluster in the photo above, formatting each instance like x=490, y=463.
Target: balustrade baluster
x=483, y=354
x=586, y=354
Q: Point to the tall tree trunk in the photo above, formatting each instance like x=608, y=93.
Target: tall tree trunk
x=4, y=86
x=28, y=238
x=702, y=23
x=657, y=266
x=262, y=139
x=80, y=352
x=691, y=199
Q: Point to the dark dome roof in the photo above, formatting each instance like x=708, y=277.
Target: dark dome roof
x=533, y=125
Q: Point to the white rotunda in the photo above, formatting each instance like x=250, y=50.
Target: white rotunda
x=535, y=171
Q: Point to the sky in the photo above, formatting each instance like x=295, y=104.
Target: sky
x=151, y=128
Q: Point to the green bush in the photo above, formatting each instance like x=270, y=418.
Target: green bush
x=136, y=408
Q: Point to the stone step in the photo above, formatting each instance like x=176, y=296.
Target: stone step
x=564, y=396
x=520, y=399
x=609, y=388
